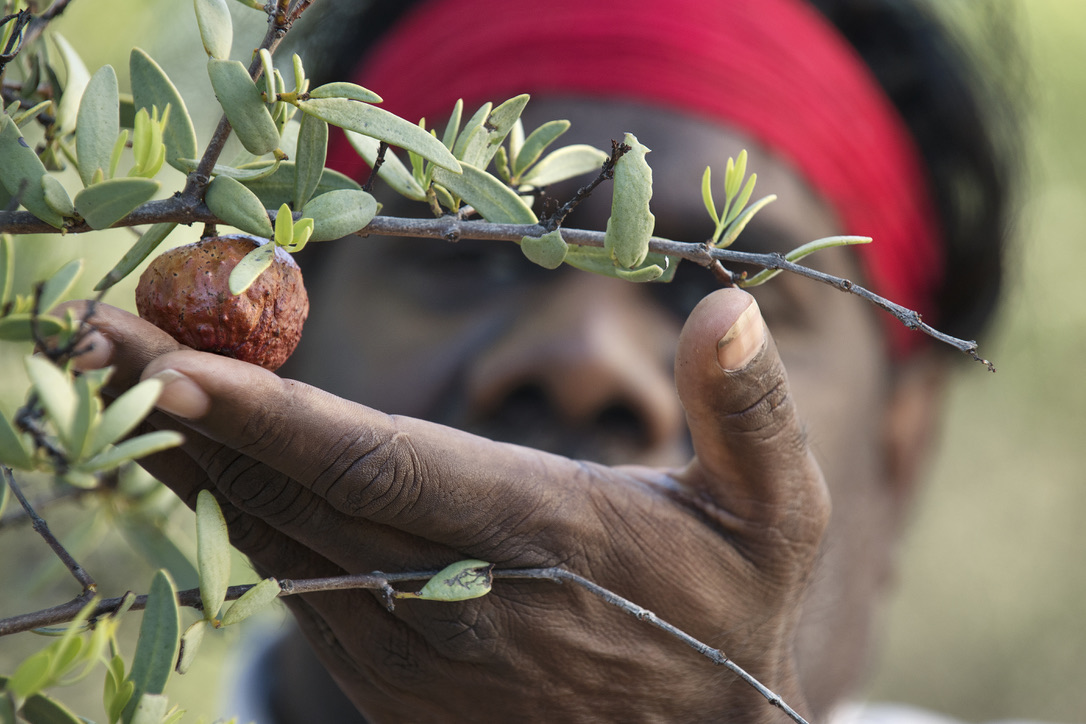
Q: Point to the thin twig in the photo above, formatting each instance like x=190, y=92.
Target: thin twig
x=382, y=149
x=80, y=573
x=607, y=172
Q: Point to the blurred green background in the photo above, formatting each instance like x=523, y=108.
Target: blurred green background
x=988, y=622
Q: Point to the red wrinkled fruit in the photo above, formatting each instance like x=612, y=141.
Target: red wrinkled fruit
x=185, y=292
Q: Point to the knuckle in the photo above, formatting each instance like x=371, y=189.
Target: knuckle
x=377, y=480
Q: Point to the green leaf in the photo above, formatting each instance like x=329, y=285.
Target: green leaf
x=148, y=539
x=212, y=553
x=152, y=88
x=216, y=28
x=342, y=89
x=18, y=327
x=310, y=157
x=106, y=203
x=564, y=163
x=21, y=172
x=256, y=598
x=536, y=143
x=56, y=196
x=7, y=269
x=460, y=581
x=278, y=188
x=251, y=266
x=548, y=251
x=707, y=194
x=240, y=99
x=54, y=288
x=148, y=242
x=123, y=414
x=630, y=225
x=41, y=709
x=34, y=673
x=150, y=709
x=15, y=450
x=516, y=138
x=131, y=449
x=380, y=124
x=392, y=171
x=801, y=251
x=74, y=85
x=656, y=267
x=88, y=407
x=284, y=229
x=246, y=173
x=741, y=200
x=482, y=146
x=156, y=649
x=452, y=126
x=190, y=644
x=472, y=127
x=336, y=214
x=54, y=389
x=494, y=201
x=732, y=231
x=238, y=206
x=99, y=123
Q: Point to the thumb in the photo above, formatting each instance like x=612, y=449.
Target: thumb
x=752, y=458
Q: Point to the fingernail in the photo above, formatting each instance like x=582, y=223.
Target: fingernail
x=743, y=341
x=181, y=396
x=93, y=352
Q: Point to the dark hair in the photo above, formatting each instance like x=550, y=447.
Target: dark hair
x=957, y=99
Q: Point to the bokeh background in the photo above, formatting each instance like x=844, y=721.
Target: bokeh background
x=988, y=623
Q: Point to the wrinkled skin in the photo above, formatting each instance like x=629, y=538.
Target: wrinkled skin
x=730, y=545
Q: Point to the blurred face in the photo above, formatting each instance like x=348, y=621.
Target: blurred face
x=473, y=335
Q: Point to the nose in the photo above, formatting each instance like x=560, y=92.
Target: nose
x=591, y=352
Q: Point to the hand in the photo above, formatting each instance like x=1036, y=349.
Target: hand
x=313, y=485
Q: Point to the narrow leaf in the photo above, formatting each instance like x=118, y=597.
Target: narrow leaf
x=190, y=644
x=7, y=269
x=235, y=204
x=99, y=123
x=452, y=126
x=379, y=123
x=132, y=258
x=156, y=649
x=252, y=601
x=392, y=171
x=342, y=89
x=19, y=327
x=56, y=196
x=483, y=145
x=106, y=203
x=151, y=87
x=801, y=251
x=216, y=28
x=58, y=285
x=536, y=143
x=251, y=266
x=336, y=214
x=631, y=223
x=240, y=99
x=310, y=157
x=736, y=227
x=564, y=163
x=21, y=172
x=212, y=553
x=123, y=414
x=54, y=389
x=707, y=194
x=132, y=449
x=74, y=85
x=15, y=450
x=494, y=201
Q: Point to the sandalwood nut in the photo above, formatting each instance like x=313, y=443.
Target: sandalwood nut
x=185, y=293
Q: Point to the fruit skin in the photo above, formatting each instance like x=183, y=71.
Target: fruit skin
x=185, y=293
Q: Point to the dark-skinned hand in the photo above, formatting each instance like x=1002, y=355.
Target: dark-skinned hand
x=313, y=485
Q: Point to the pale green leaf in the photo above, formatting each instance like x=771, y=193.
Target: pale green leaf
x=801, y=251
x=151, y=709
x=516, y=139
x=248, y=172
x=336, y=214
x=54, y=388
x=536, y=143
x=494, y=201
x=252, y=601
x=392, y=171
x=88, y=407
x=548, y=251
x=350, y=91
x=41, y=709
x=460, y=581
x=19, y=327
x=106, y=203
x=56, y=286
x=237, y=205
x=250, y=267
x=74, y=85
x=132, y=449
x=380, y=124
x=151, y=87
x=99, y=123
x=483, y=144
x=190, y=644
x=21, y=172
x=34, y=673
x=56, y=196
x=7, y=269
x=123, y=414
x=565, y=163
x=243, y=105
x=148, y=242
x=216, y=27
x=452, y=126
x=732, y=231
x=707, y=194
x=212, y=553
x=15, y=450
x=156, y=649
x=310, y=158
x=472, y=127
x=631, y=223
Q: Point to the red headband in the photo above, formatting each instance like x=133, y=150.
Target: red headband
x=775, y=69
